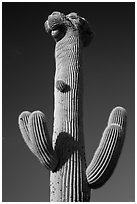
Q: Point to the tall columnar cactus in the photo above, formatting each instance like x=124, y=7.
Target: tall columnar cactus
x=70, y=178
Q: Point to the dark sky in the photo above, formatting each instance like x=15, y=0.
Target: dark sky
x=28, y=75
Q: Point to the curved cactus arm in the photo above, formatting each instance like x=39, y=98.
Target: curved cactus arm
x=106, y=156
x=23, y=125
x=41, y=141
x=34, y=131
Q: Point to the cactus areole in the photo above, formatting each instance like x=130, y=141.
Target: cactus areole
x=70, y=179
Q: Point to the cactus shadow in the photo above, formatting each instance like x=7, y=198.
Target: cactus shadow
x=65, y=147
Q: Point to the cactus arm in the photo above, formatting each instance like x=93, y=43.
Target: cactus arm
x=107, y=154
x=23, y=126
x=41, y=141
x=34, y=131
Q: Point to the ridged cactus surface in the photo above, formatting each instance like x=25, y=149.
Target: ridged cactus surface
x=70, y=178
x=34, y=131
x=107, y=154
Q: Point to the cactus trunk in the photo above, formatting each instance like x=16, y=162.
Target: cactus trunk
x=68, y=183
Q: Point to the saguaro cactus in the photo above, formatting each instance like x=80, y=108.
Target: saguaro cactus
x=70, y=178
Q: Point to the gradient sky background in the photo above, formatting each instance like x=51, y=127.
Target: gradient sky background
x=28, y=75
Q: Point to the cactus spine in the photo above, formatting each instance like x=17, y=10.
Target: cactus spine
x=70, y=178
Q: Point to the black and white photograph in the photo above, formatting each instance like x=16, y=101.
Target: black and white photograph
x=68, y=101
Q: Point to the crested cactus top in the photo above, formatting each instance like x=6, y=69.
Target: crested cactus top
x=60, y=25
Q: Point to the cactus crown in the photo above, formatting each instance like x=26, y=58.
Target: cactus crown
x=58, y=25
